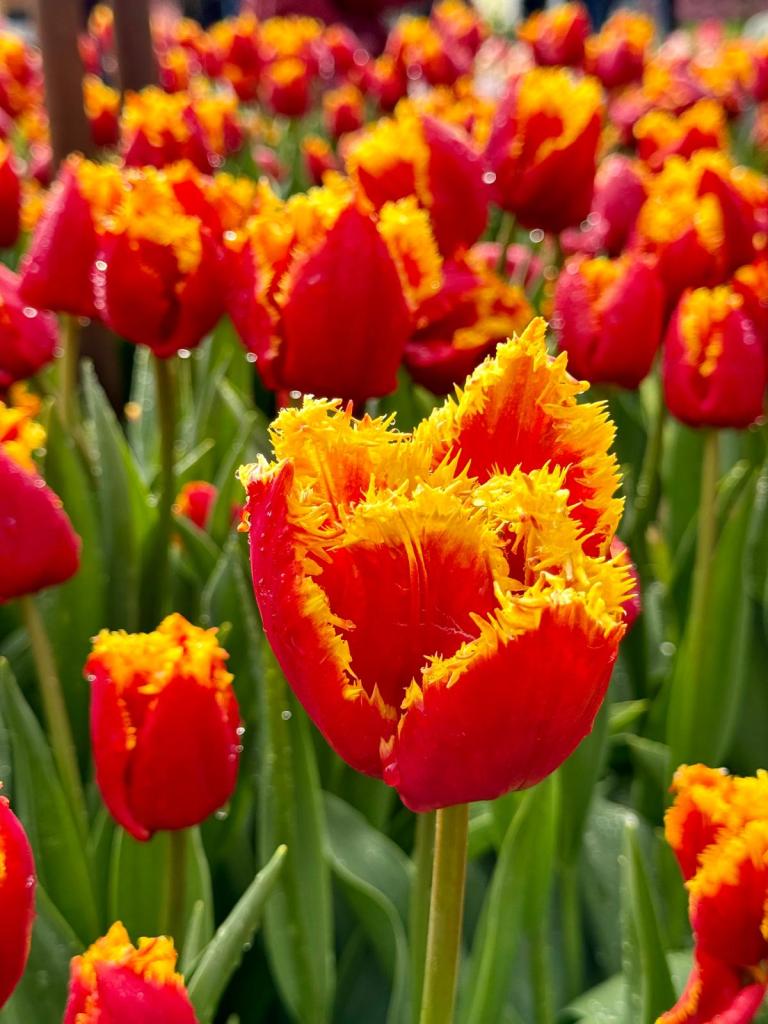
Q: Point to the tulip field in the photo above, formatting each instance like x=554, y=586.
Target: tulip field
x=383, y=517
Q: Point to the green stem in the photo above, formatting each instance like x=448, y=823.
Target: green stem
x=647, y=490
x=423, y=852
x=504, y=238
x=541, y=976
x=446, y=911
x=166, y=413
x=177, y=885
x=68, y=366
x=55, y=710
x=572, y=932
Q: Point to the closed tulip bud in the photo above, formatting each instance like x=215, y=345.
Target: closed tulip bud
x=102, y=108
x=195, y=502
x=343, y=110
x=28, y=338
x=388, y=82
x=620, y=192
x=323, y=289
x=10, y=199
x=157, y=280
x=546, y=131
x=165, y=726
x=56, y=271
x=660, y=134
x=557, y=36
x=616, y=55
x=344, y=47
x=117, y=982
x=460, y=23
x=17, y=899
x=38, y=547
x=714, y=366
x=609, y=316
x=440, y=601
x=285, y=84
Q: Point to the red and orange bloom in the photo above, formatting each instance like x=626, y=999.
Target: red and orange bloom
x=195, y=502
x=751, y=283
x=323, y=289
x=413, y=154
x=28, y=338
x=546, y=131
x=420, y=50
x=479, y=659
x=617, y=54
x=718, y=830
x=165, y=726
x=460, y=23
x=118, y=982
x=10, y=199
x=609, y=316
x=714, y=369
x=388, y=82
x=660, y=134
x=620, y=192
x=343, y=110
x=56, y=272
x=285, y=85
x=38, y=547
x=102, y=108
x=633, y=604
x=319, y=158
x=157, y=279
x=17, y=899
x=557, y=36
x=463, y=323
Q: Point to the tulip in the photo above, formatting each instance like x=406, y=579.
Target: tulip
x=546, y=132
x=609, y=316
x=165, y=726
x=715, y=370
x=56, y=271
x=616, y=55
x=718, y=830
x=118, y=982
x=38, y=547
x=620, y=192
x=418, y=155
x=633, y=604
x=557, y=36
x=419, y=50
x=28, y=338
x=463, y=323
x=751, y=283
x=441, y=602
x=102, y=107
x=344, y=110
x=344, y=47
x=156, y=279
x=195, y=502
x=318, y=158
x=322, y=291
x=17, y=900
x=388, y=82
x=285, y=83
x=660, y=134
x=460, y=23
x=158, y=128
x=10, y=199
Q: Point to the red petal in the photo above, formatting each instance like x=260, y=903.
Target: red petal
x=125, y=998
x=17, y=900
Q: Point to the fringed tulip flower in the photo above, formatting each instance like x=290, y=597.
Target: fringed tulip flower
x=413, y=154
x=165, y=726
x=546, y=133
x=609, y=316
x=56, y=272
x=714, y=369
x=157, y=279
x=28, y=338
x=616, y=55
x=102, y=108
x=319, y=158
x=718, y=830
x=343, y=110
x=195, y=502
x=460, y=23
x=388, y=83
x=17, y=899
x=119, y=983
x=751, y=283
x=463, y=323
x=285, y=84
x=660, y=134
x=323, y=289
x=441, y=602
x=557, y=36
x=38, y=547
x=620, y=192
x=419, y=50
x=633, y=603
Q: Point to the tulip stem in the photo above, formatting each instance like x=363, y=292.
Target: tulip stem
x=541, y=975
x=423, y=852
x=705, y=548
x=504, y=237
x=646, y=492
x=446, y=912
x=68, y=367
x=166, y=413
x=572, y=931
x=55, y=710
x=177, y=885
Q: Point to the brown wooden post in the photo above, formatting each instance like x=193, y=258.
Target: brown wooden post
x=133, y=39
x=59, y=24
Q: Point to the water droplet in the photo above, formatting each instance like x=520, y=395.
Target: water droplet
x=29, y=312
x=250, y=357
x=536, y=236
x=240, y=730
x=489, y=177
x=184, y=353
x=101, y=265
x=286, y=715
x=667, y=648
x=294, y=395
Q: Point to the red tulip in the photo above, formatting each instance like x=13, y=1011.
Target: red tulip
x=620, y=192
x=10, y=199
x=115, y=982
x=751, y=283
x=28, y=338
x=195, y=502
x=557, y=36
x=388, y=82
x=715, y=370
x=660, y=134
x=285, y=83
x=616, y=55
x=318, y=158
x=609, y=316
x=17, y=899
x=165, y=726
x=102, y=107
x=344, y=110
x=419, y=50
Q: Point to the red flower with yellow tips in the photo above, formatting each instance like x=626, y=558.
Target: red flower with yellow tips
x=616, y=55
x=118, y=982
x=441, y=602
x=343, y=110
x=546, y=131
x=660, y=134
x=102, y=108
x=557, y=36
x=165, y=725
x=715, y=370
x=718, y=830
x=10, y=198
x=17, y=899
x=195, y=502
x=38, y=547
x=28, y=338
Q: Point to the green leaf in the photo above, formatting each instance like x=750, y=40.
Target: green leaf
x=223, y=954
x=604, y=1004
x=62, y=861
x=141, y=425
x=197, y=547
x=649, y=989
x=578, y=777
x=139, y=882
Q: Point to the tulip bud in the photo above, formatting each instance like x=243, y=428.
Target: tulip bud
x=286, y=86
x=344, y=110
x=714, y=367
x=318, y=158
x=102, y=107
x=616, y=55
x=118, y=982
x=195, y=501
x=28, y=337
x=165, y=726
x=17, y=900
x=10, y=199
x=557, y=36
x=620, y=192
x=609, y=315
